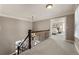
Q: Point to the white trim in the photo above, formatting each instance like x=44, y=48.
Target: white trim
x=54, y=17
x=76, y=48
x=70, y=41
x=18, y=18
x=26, y=19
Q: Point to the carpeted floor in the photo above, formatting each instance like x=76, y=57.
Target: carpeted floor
x=52, y=47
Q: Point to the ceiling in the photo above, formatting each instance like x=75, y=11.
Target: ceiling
x=38, y=11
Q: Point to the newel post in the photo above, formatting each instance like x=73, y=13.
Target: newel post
x=29, y=33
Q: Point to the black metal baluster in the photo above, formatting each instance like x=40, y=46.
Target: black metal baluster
x=18, y=48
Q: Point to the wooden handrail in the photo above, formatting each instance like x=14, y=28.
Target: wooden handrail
x=39, y=31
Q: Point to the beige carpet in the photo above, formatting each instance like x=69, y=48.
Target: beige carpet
x=52, y=47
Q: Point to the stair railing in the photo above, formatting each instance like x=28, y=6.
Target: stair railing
x=29, y=36
x=29, y=46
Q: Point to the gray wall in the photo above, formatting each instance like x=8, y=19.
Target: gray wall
x=12, y=30
x=41, y=25
x=45, y=25
x=70, y=27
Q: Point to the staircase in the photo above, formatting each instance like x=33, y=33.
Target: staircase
x=31, y=40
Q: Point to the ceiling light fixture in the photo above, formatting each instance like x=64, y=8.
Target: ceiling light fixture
x=49, y=6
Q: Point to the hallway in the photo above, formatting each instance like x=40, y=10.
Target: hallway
x=52, y=47
x=16, y=20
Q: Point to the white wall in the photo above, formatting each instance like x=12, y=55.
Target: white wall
x=77, y=28
x=77, y=22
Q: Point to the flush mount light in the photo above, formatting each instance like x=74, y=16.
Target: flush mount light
x=49, y=6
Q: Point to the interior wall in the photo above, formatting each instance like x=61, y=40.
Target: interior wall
x=70, y=27
x=77, y=22
x=41, y=25
x=77, y=28
x=69, y=24
x=12, y=30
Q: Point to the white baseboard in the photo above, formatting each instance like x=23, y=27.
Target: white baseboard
x=76, y=48
x=70, y=41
